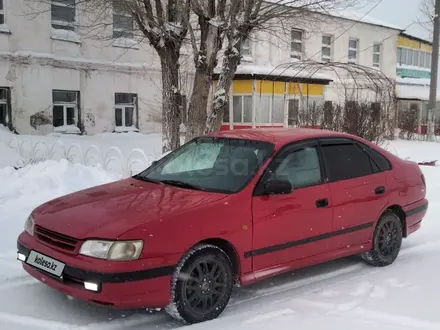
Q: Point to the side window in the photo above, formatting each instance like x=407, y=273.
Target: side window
x=300, y=167
x=381, y=161
x=346, y=161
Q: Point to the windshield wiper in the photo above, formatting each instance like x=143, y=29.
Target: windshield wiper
x=181, y=184
x=144, y=178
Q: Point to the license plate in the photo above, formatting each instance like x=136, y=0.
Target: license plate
x=45, y=263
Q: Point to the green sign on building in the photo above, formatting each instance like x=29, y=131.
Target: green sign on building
x=412, y=73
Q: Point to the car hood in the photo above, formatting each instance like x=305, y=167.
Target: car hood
x=110, y=210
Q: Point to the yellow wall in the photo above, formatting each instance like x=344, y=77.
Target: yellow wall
x=270, y=87
x=277, y=88
x=242, y=87
x=409, y=43
x=426, y=48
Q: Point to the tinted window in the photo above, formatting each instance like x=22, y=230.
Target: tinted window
x=346, y=161
x=301, y=168
x=380, y=160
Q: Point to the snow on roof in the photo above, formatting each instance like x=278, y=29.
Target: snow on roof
x=352, y=13
x=280, y=71
x=355, y=15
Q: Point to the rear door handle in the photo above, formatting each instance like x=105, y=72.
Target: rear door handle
x=321, y=203
x=380, y=190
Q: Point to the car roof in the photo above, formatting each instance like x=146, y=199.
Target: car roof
x=278, y=136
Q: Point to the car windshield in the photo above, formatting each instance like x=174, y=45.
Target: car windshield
x=212, y=164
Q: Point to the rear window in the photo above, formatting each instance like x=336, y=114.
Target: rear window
x=346, y=161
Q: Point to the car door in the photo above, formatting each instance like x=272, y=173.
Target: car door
x=289, y=227
x=358, y=188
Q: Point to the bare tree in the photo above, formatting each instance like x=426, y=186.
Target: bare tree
x=427, y=9
x=247, y=16
x=163, y=23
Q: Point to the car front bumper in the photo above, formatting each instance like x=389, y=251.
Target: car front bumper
x=132, y=284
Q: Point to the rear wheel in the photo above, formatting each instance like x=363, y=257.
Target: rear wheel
x=387, y=241
x=202, y=285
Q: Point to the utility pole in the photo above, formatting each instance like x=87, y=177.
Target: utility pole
x=434, y=74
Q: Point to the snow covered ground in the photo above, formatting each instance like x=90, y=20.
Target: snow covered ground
x=344, y=294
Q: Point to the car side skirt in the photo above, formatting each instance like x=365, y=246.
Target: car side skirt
x=247, y=279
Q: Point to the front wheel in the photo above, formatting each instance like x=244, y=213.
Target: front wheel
x=387, y=241
x=201, y=286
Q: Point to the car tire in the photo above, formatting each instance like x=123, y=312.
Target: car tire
x=387, y=240
x=201, y=285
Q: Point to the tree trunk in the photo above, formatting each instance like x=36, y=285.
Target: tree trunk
x=220, y=104
x=198, y=105
x=170, y=100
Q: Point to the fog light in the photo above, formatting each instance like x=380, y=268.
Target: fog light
x=21, y=256
x=91, y=286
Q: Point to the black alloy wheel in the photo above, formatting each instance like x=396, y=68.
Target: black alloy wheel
x=202, y=285
x=387, y=241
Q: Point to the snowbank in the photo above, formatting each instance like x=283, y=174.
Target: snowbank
x=9, y=157
x=23, y=190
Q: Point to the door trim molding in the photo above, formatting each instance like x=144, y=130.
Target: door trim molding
x=291, y=244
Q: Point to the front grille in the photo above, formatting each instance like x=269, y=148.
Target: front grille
x=56, y=240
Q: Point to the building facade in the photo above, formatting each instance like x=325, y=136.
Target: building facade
x=413, y=72
x=58, y=78
x=54, y=78
x=273, y=59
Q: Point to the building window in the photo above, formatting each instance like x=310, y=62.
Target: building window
x=242, y=108
x=404, y=57
x=2, y=13
x=413, y=57
x=352, y=50
x=415, y=61
x=270, y=109
x=428, y=60
x=4, y=118
x=410, y=57
x=246, y=48
x=125, y=111
x=421, y=59
x=326, y=48
x=296, y=44
x=376, y=55
x=122, y=20
x=63, y=14
x=65, y=110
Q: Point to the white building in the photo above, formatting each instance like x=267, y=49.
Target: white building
x=53, y=78
x=413, y=78
x=266, y=93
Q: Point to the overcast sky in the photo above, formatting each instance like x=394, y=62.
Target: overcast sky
x=399, y=12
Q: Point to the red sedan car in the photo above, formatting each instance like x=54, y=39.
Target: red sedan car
x=229, y=208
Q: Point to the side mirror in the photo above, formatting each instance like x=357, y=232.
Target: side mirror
x=277, y=187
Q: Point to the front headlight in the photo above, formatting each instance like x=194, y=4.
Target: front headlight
x=29, y=225
x=112, y=250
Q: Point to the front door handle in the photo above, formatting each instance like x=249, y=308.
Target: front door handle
x=321, y=203
x=380, y=190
